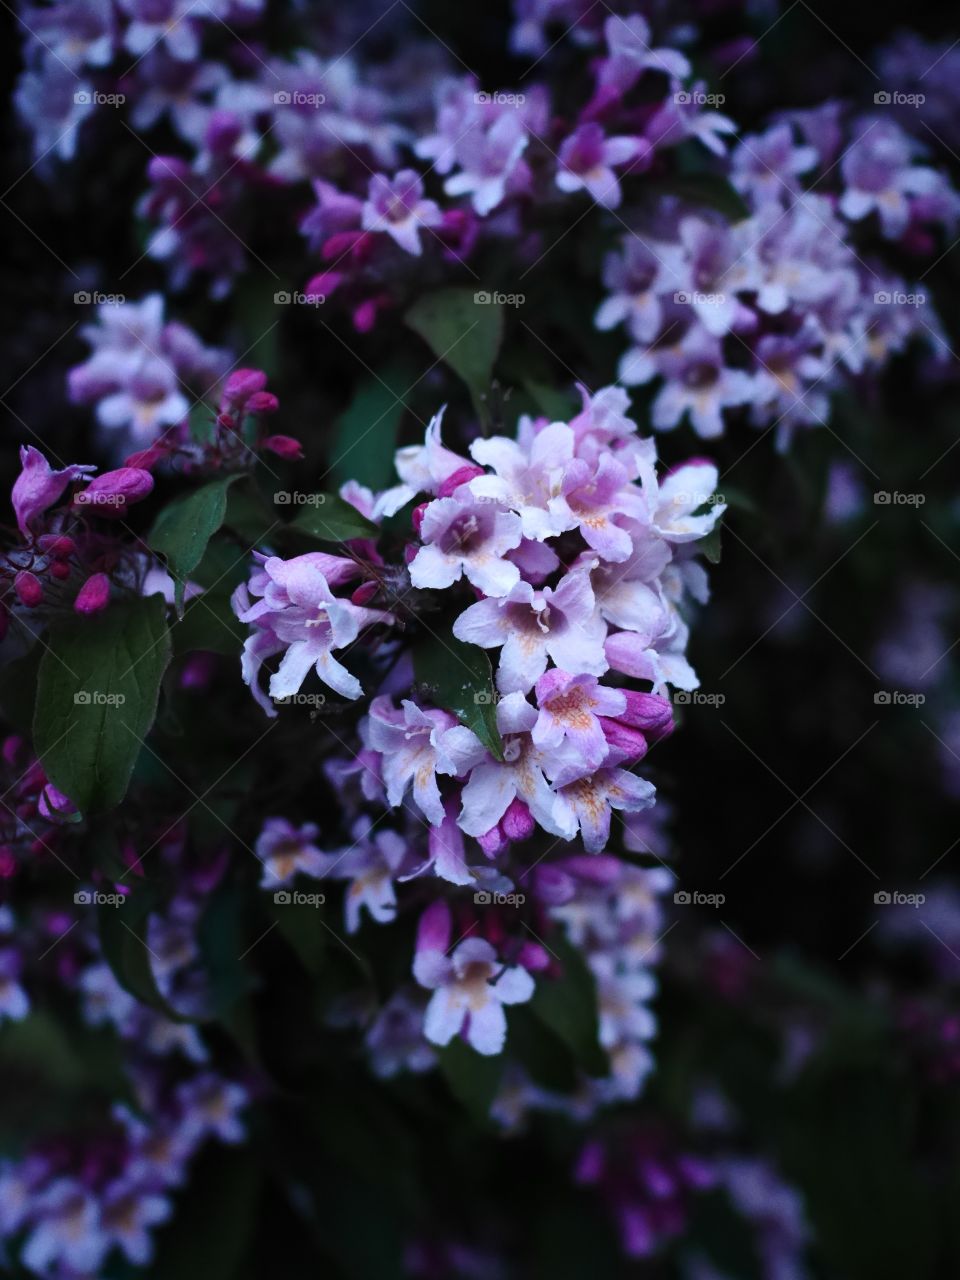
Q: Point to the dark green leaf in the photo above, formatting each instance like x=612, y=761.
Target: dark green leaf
x=97, y=693
x=474, y=1079
x=568, y=1006
x=332, y=520
x=459, y=677
x=211, y=1230
x=463, y=332
x=209, y=624
x=183, y=528
x=365, y=434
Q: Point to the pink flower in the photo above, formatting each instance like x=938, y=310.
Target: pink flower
x=592, y=499
x=416, y=746
x=371, y=864
x=467, y=538
x=488, y=159
x=396, y=206
x=569, y=711
x=286, y=850
x=587, y=161
x=299, y=614
x=38, y=486
x=562, y=624
x=526, y=478
x=681, y=493
x=593, y=797
x=494, y=784
x=470, y=989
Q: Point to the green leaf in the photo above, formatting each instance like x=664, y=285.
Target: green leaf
x=123, y=941
x=464, y=333
x=209, y=624
x=459, y=678
x=710, y=545
x=301, y=925
x=332, y=520
x=568, y=1006
x=97, y=692
x=210, y=1234
x=365, y=434
x=183, y=528
x=474, y=1079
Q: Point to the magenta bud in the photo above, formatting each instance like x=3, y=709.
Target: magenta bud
x=365, y=593
x=59, y=569
x=8, y=863
x=553, y=886
x=263, y=402
x=94, y=595
x=416, y=516
x=146, y=459
x=649, y=712
x=493, y=841
x=168, y=168
x=459, y=477
x=242, y=384
x=324, y=283
x=28, y=588
x=533, y=957
x=114, y=491
x=433, y=931
x=628, y=743
x=283, y=446
x=55, y=544
x=517, y=822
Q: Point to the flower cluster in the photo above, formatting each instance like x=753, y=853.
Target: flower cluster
x=768, y=315
x=581, y=563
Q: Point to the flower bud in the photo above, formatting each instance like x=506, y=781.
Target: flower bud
x=110, y=494
x=459, y=477
x=283, y=446
x=28, y=588
x=263, y=402
x=94, y=595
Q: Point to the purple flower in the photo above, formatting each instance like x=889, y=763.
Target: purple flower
x=880, y=177
x=630, y=54
x=562, y=624
x=466, y=538
x=371, y=864
x=698, y=383
x=286, y=850
x=488, y=161
x=768, y=166
x=417, y=745
x=470, y=988
x=587, y=160
x=38, y=486
x=167, y=22
x=298, y=615
x=569, y=710
x=638, y=277
x=396, y=206
x=68, y=1234
x=591, y=798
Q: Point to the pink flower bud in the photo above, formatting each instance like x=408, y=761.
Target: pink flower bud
x=57, y=545
x=517, y=822
x=649, y=712
x=110, y=494
x=283, y=446
x=28, y=588
x=263, y=402
x=147, y=459
x=93, y=595
x=365, y=593
x=433, y=931
x=493, y=841
x=459, y=477
x=553, y=886
x=324, y=283
x=533, y=957
x=59, y=569
x=242, y=384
